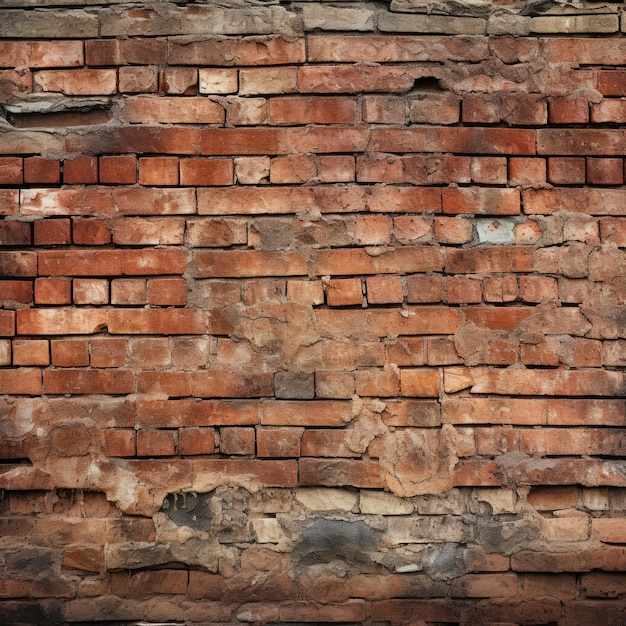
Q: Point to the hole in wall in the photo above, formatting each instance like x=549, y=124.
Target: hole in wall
x=427, y=84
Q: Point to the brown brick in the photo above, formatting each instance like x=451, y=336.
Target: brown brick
x=42, y=171
x=11, y=171
x=118, y=170
x=80, y=170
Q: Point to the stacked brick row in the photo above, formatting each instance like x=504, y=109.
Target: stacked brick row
x=312, y=313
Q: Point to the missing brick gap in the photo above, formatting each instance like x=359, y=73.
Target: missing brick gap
x=54, y=113
x=427, y=84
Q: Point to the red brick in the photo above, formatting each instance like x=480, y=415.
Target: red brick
x=340, y=472
x=15, y=234
x=18, y=264
x=544, y=353
x=21, y=381
x=538, y=288
x=514, y=109
x=278, y=442
x=158, y=171
x=580, y=141
x=156, y=443
x=481, y=201
x=348, y=261
x=69, y=352
x=610, y=530
x=80, y=170
x=612, y=82
x=138, y=79
x=569, y=111
x=572, y=442
x=613, y=230
x=90, y=232
x=48, y=232
x=236, y=51
x=155, y=413
x=136, y=231
x=485, y=586
x=373, y=230
x=605, y=171
x=156, y=321
x=31, y=352
x=179, y=81
x=20, y=291
x=84, y=559
x=129, y=291
x=80, y=82
x=424, y=288
x=167, y=291
x=384, y=109
x=401, y=611
x=118, y=170
x=236, y=141
x=336, y=169
x=377, y=382
x=152, y=352
x=344, y=291
x=566, y=170
x=119, y=442
x=39, y=171
x=133, y=51
x=236, y=440
x=452, y=230
x=292, y=169
x=9, y=201
x=588, y=201
x=194, y=440
x=609, y=111
x=384, y=290
x=107, y=352
x=42, y=53
x=206, y=172
x=240, y=263
x=500, y=289
x=433, y=108
x=312, y=110
x=107, y=262
x=495, y=259
x=246, y=112
x=78, y=381
x=527, y=171
x=407, y=351
x=489, y=170
x=53, y=291
x=11, y=170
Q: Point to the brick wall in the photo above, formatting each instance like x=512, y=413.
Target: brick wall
x=312, y=313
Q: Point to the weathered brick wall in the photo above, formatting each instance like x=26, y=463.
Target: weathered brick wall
x=312, y=312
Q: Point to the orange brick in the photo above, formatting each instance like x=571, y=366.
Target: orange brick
x=129, y=291
x=420, y=383
x=90, y=232
x=344, y=291
x=167, y=291
x=384, y=109
x=205, y=172
x=384, y=289
x=373, y=230
x=462, y=290
x=90, y=291
x=53, y=291
x=538, y=288
x=166, y=110
x=69, y=352
x=31, y=352
x=292, y=169
x=11, y=171
x=336, y=169
x=181, y=81
x=312, y=110
x=79, y=82
x=566, y=170
x=138, y=79
x=424, y=288
x=77, y=381
x=21, y=381
x=108, y=352
x=119, y=442
x=20, y=291
x=47, y=232
x=279, y=442
x=235, y=440
x=527, y=171
x=194, y=440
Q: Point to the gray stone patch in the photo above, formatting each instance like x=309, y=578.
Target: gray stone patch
x=495, y=230
x=188, y=509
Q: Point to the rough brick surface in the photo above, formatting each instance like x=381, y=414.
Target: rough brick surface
x=312, y=312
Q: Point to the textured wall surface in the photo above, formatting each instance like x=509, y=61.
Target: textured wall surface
x=312, y=312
